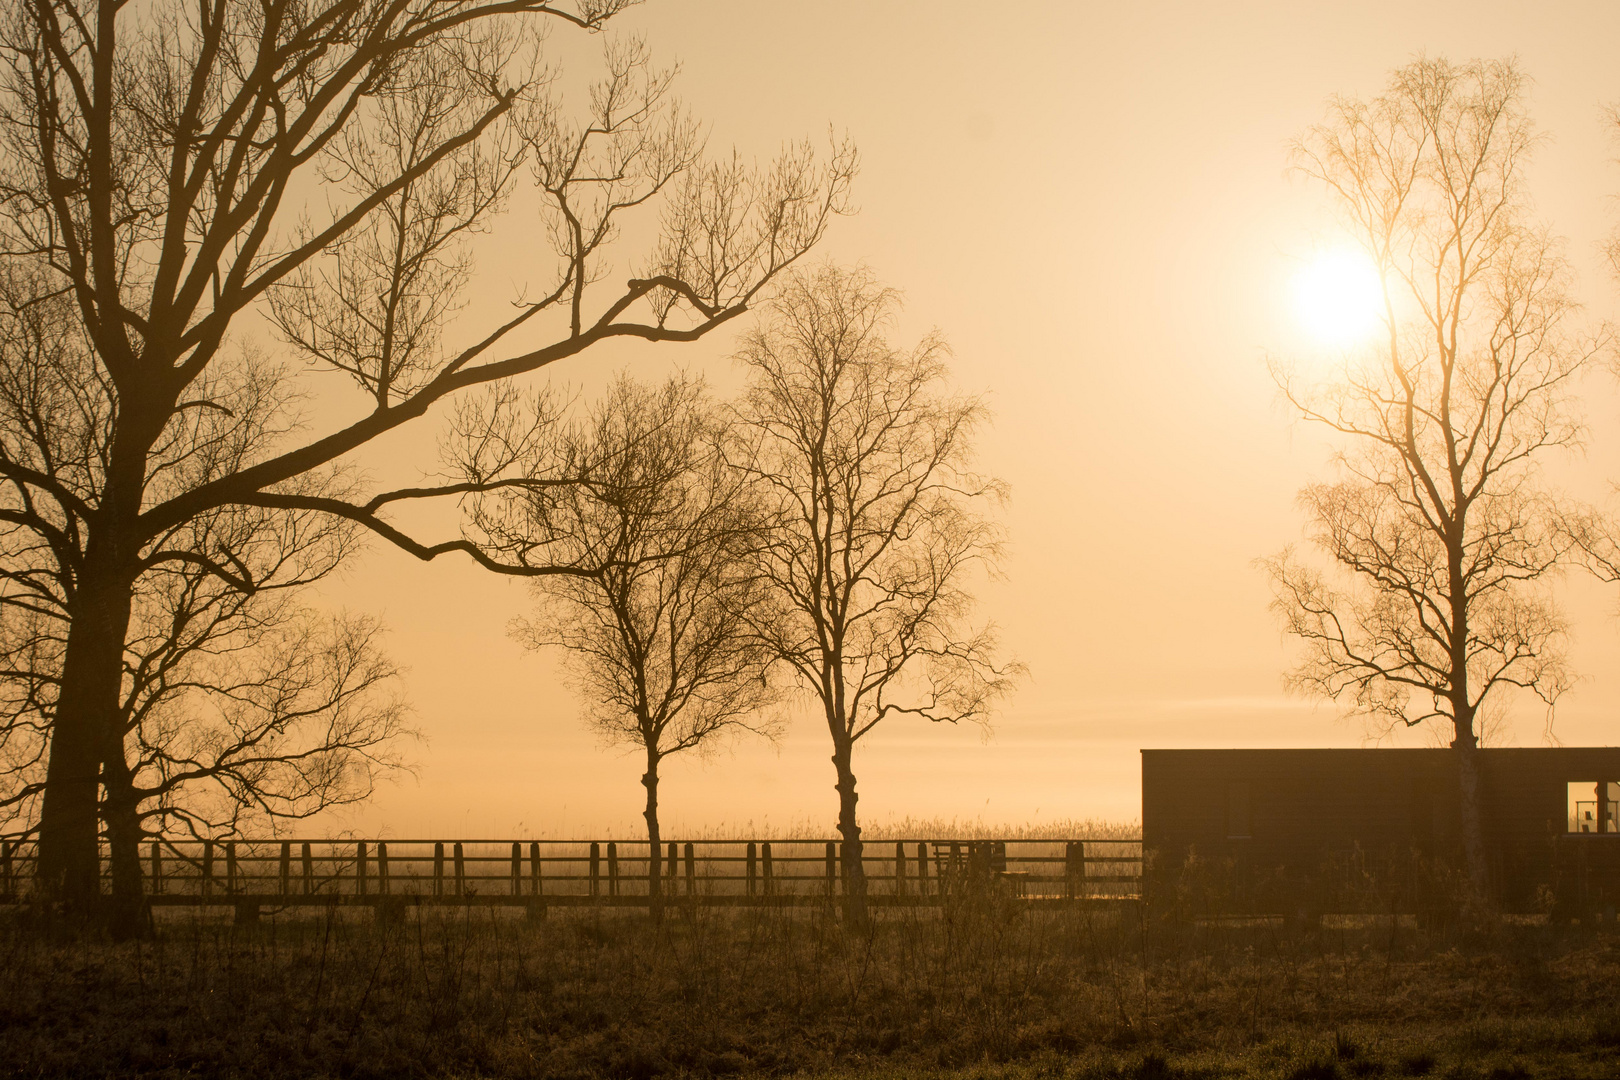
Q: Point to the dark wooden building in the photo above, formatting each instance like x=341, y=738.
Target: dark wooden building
x=1274, y=828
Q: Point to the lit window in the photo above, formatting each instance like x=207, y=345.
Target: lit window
x=1594, y=806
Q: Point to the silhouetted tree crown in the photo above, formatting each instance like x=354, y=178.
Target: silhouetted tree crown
x=655, y=626
x=1439, y=541
x=860, y=461
x=166, y=169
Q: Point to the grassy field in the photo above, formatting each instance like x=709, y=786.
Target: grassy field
x=977, y=990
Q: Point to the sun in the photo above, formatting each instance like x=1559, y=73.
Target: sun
x=1339, y=298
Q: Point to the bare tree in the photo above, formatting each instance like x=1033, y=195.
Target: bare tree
x=1441, y=544
x=234, y=703
x=656, y=634
x=861, y=462
x=290, y=718
x=169, y=168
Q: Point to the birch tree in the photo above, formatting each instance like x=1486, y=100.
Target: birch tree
x=1438, y=541
x=656, y=636
x=874, y=523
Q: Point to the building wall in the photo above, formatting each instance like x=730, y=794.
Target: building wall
x=1308, y=808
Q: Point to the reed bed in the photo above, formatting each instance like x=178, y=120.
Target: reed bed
x=890, y=829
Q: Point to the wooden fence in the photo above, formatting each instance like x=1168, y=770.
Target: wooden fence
x=536, y=874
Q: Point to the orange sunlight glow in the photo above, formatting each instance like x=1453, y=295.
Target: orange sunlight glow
x=1338, y=298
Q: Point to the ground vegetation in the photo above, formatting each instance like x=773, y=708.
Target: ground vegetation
x=975, y=991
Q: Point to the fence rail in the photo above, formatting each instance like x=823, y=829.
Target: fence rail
x=539, y=873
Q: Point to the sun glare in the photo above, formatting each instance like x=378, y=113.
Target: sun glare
x=1338, y=298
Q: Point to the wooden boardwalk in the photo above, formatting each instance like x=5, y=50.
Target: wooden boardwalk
x=537, y=874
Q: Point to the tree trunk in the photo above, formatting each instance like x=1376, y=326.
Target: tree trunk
x=69, y=867
x=1473, y=832
x=1465, y=738
x=130, y=912
x=853, y=866
x=655, y=891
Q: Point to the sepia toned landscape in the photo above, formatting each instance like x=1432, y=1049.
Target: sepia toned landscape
x=693, y=538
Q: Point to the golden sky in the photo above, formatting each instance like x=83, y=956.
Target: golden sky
x=1090, y=202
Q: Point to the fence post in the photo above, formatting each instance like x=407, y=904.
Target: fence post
x=157, y=867
x=208, y=868
x=981, y=857
x=230, y=867
x=691, y=871
x=382, y=867
x=438, y=868
x=613, y=868
x=309, y=870
x=752, y=867
x=596, y=868
x=998, y=856
x=536, y=910
x=832, y=867
x=769, y=882
x=674, y=857
x=899, y=868
x=517, y=868
x=922, y=869
x=286, y=867
x=461, y=870
x=360, y=868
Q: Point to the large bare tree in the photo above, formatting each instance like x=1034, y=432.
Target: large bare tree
x=176, y=170
x=1438, y=541
x=235, y=704
x=873, y=532
x=656, y=634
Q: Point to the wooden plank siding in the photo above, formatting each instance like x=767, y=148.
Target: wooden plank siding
x=1309, y=811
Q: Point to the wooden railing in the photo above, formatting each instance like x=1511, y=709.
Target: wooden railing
x=540, y=873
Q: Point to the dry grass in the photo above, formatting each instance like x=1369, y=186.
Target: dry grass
x=911, y=828
x=978, y=829
x=978, y=990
